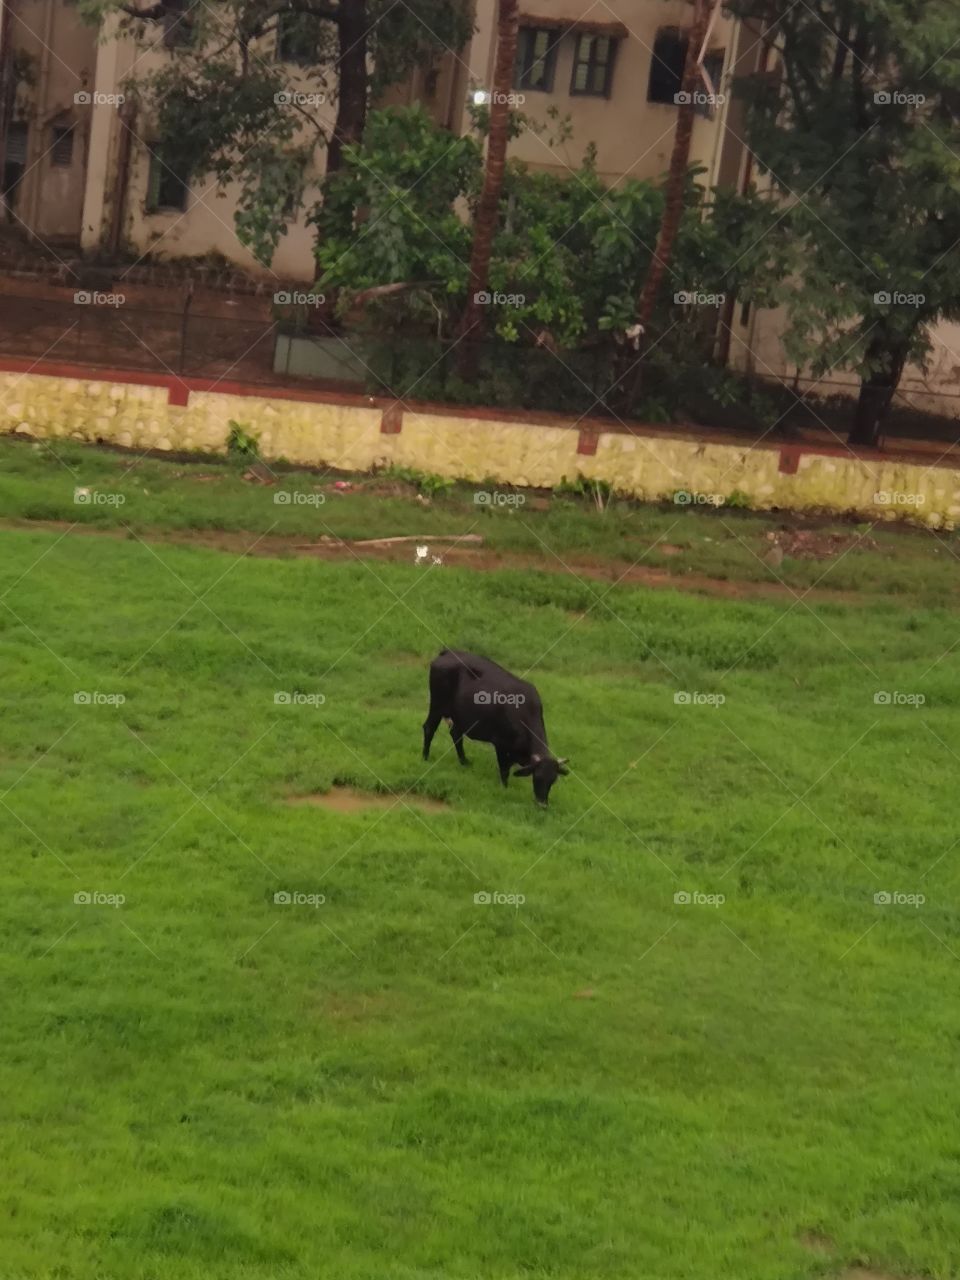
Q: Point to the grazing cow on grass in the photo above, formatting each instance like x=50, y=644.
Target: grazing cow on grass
x=485, y=702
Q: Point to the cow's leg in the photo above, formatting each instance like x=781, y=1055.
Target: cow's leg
x=456, y=733
x=429, y=729
x=503, y=764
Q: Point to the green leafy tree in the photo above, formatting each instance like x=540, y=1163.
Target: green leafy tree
x=855, y=125
x=232, y=108
x=567, y=260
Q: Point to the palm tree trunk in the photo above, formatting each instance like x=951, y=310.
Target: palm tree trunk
x=488, y=207
x=351, y=119
x=675, y=186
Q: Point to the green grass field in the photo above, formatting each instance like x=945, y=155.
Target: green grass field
x=398, y=1083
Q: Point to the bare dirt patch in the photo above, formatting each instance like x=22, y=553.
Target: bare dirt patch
x=866, y=1273
x=352, y=800
x=816, y=1242
x=358, y=1007
x=278, y=546
x=810, y=544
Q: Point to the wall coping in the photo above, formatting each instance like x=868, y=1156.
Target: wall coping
x=179, y=388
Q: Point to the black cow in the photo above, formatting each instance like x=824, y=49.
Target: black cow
x=485, y=702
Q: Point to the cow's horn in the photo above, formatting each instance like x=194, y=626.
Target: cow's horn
x=563, y=760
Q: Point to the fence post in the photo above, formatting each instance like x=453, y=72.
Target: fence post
x=184, y=323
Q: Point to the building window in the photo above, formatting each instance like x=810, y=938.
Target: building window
x=666, y=68
x=593, y=66
x=713, y=66
x=61, y=149
x=297, y=39
x=17, y=142
x=536, y=58
x=14, y=164
x=167, y=184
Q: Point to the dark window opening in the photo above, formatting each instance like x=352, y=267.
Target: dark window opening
x=666, y=71
x=61, y=150
x=167, y=184
x=593, y=66
x=297, y=39
x=14, y=164
x=536, y=58
x=666, y=68
x=431, y=80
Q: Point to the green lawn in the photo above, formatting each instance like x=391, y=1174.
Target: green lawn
x=38, y=482
x=400, y=1084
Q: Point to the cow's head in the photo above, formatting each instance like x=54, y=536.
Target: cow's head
x=544, y=770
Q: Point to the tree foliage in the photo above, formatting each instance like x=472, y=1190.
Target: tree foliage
x=855, y=125
x=233, y=111
x=568, y=256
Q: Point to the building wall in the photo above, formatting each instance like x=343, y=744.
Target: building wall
x=758, y=349
x=358, y=432
x=62, y=53
x=633, y=137
x=206, y=225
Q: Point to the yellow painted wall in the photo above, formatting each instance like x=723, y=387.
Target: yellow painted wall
x=348, y=437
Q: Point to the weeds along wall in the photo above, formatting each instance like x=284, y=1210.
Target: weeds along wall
x=356, y=433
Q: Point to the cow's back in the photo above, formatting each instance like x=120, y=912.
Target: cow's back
x=492, y=701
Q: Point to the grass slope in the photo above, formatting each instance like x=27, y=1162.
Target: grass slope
x=400, y=1083
x=37, y=482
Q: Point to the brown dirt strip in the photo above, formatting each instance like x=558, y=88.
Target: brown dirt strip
x=273, y=546
x=351, y=800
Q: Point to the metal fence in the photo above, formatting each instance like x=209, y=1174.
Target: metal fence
x=96, y=329
x=199, y=338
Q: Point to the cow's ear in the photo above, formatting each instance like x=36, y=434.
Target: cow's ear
x=525, y=772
